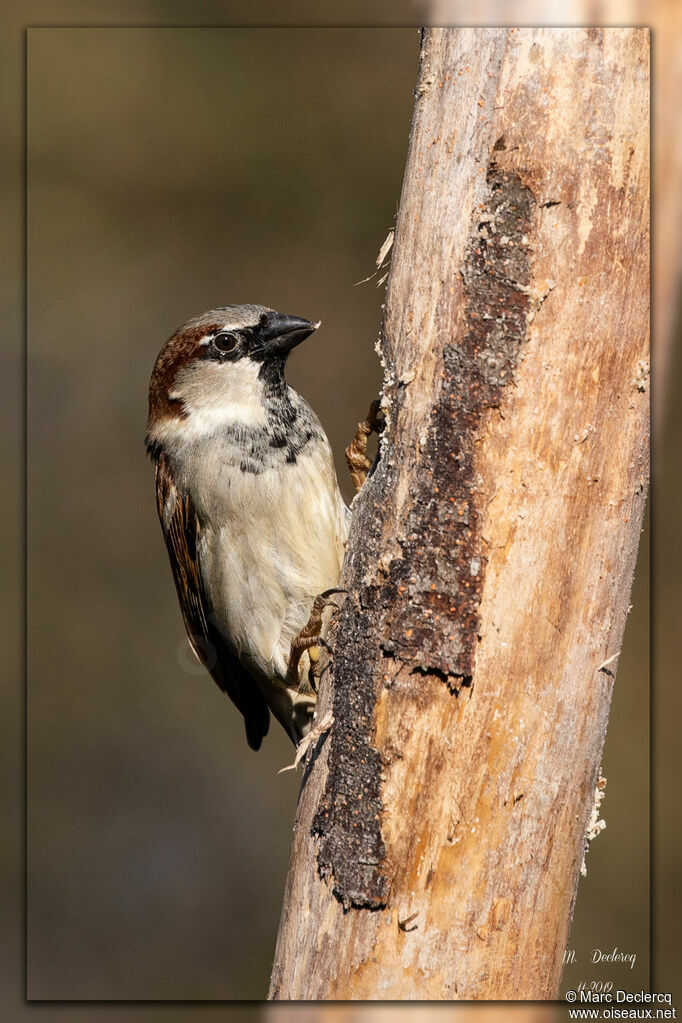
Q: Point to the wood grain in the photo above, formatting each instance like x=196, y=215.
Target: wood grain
x=441, y=823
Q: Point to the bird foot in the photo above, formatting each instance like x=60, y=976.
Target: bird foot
x=318, y=729
x=356, y=453
x=310, y=640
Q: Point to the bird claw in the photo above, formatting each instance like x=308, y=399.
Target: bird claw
x=308, y=740
x=309, y=639
x=356, y=453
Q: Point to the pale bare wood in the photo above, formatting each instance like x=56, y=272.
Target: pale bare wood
x=664, y=17
x=441, y=824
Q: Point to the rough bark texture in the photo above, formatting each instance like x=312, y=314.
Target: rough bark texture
x=441, y=823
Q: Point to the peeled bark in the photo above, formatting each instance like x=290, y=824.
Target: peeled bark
x=442, y=819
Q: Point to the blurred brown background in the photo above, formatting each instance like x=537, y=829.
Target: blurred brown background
x=170, y=171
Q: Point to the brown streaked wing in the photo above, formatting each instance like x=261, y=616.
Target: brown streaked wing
x=181, y=526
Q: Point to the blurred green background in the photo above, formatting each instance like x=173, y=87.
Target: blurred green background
x=169, y=171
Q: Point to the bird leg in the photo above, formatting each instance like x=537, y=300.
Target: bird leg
x=317, y=730
x=309, y=639
x=356, y=453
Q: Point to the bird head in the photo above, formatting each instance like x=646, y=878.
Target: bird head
x=221, y=367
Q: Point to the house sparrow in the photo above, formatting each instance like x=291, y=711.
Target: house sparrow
x=250, y=508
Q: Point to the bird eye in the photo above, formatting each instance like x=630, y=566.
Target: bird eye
x=225, y=342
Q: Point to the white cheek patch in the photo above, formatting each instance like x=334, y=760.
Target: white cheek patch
x=214, y=394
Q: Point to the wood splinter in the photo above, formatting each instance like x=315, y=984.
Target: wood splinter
x=402, y=924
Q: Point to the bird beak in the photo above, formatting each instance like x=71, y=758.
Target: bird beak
x=282, y=333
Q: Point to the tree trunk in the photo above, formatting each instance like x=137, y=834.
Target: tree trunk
x=442, y=820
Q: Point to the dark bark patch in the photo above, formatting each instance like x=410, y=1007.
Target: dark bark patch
x=347, y=822
x=453, y=682
x=424, y=602
x=437, y=584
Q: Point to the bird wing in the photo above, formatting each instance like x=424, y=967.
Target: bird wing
x=181, y=527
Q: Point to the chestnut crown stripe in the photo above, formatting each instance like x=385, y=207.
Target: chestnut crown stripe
x=182, y=348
